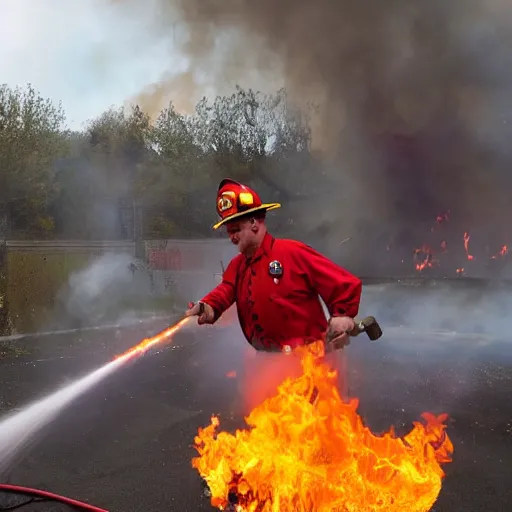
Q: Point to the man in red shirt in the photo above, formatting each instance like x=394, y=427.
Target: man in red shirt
x=276, y=285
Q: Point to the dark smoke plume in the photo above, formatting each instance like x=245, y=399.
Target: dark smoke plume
x=414, y=108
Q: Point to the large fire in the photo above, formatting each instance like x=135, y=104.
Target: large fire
x=308, y=450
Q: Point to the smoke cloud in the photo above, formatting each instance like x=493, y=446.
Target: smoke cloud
x=413, y=114
x=412, y=101
x=103, y=291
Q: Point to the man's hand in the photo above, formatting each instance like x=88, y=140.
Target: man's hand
x=203, y=311
x=337, y=332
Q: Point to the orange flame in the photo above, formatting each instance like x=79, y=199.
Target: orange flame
x=443, y=217
x=305, y=456
x=467, y=238
x=148, y=343
x=426, y=255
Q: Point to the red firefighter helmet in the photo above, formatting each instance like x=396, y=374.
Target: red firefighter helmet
x=235, y=200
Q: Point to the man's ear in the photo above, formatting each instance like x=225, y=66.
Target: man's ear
x=254, y=225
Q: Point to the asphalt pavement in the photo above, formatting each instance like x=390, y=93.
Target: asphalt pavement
x=126, y=445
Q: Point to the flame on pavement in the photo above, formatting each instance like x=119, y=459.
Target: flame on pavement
x=302, y=456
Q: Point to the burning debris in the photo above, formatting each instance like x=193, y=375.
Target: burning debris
x=467, y=238
x=430, y=255
x=424, y=257
x=301, y=456
x=502, y=252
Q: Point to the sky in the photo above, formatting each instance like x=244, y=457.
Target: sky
x=85, y=53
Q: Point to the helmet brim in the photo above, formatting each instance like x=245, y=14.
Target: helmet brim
x=263, y=207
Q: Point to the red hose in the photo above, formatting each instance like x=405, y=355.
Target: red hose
x=27, y=491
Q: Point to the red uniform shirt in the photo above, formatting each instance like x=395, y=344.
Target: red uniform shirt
x=282, y=310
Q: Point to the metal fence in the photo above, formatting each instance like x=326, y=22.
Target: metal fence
x=188, y=267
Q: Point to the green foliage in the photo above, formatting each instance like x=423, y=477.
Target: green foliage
x=32, y=140
x=57, y=183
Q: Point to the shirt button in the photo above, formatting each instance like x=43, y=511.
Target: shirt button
x=254, y=317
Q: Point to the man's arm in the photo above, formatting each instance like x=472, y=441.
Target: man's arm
x=339, y=289
x=223, y=295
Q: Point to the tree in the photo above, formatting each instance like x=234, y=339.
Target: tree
x=262, y=140
x=176, y=171
x=119, y=144
x=101, y=174
x=71, y=184
x=31, y=141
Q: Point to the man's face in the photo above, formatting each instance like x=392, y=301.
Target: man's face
x=242, y=233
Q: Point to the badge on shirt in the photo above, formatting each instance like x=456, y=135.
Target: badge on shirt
x=275, y=269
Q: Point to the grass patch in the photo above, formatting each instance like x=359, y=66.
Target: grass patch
x=33, y=281
x=12, y=350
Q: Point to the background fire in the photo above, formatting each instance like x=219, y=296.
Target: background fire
x=446, y=254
